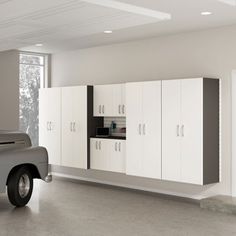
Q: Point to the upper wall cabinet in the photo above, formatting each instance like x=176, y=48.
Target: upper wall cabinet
x=143, y=138
x=190, y=130
x=109, y=100
x=50, y=123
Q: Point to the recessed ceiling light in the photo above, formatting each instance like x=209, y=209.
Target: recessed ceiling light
x=38, y=44
x=107, y=31
x=206, y=13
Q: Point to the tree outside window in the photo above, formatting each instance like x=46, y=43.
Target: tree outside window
x=32, y=75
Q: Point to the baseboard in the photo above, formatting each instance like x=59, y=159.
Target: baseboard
x=167, y=194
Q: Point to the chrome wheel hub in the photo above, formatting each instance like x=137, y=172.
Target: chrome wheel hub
x=24, y=185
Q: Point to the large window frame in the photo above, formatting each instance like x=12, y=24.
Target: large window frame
x=43, y=64
x=44, y=83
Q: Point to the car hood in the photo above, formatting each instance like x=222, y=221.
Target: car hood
x=14, y=137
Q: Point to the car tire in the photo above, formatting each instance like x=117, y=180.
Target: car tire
x=20, y=187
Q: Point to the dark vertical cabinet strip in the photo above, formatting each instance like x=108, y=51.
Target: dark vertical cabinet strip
x=211, y=142
x=92, y=122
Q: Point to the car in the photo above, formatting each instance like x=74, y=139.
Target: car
x=20, y=163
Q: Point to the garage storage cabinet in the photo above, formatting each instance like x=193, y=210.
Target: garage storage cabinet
x=109, y=100
x=66, y=124
x=74, y=127
x=172, y=128
x=50, y=123
x=108, y=154
x=143, y=110
x=190, y=130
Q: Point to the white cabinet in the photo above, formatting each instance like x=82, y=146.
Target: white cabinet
x=103, y=104
x=65, y=124
x=98, y=156
x=109, y=100
x=117, y=155
x=50, y=123
x=171, y=146
x=118, y=98
x=74, y=127
x=107, y=155
x=192, y=131
x=172, y=128
x=190, y=118
x=143, y=119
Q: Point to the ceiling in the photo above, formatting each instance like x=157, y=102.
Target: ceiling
x=72, y=24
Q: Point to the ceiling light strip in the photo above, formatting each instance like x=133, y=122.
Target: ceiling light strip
x=131, y=8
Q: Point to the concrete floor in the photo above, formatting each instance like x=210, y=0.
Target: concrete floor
x=67, y=208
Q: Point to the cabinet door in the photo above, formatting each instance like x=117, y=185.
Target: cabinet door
x=123, y=96
x=134, y=121
x=103, y=100
x=74, y=127
x=99, y=154
x=192, y=131
x=80, y=127
x=116, y=160
x=50, y=123
x=67, y=117
x=171, y=139
x=151, y=130
x=118, y=100
x=96, y=158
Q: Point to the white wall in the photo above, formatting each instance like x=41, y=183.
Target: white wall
x=9, y=90
x=209, y=53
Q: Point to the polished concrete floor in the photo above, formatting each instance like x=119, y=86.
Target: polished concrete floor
x=67, y=208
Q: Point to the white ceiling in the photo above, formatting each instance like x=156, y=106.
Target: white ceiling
x=71, y=24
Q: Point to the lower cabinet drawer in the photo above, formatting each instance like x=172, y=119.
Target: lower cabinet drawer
x=107, y=155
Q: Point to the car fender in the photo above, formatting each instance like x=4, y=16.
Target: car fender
x=13, y=158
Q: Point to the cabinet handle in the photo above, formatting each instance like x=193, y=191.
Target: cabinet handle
x=100, y=145
x=70, y=126
x=119, y=147
x=50, y=126
x=182, y=130
x=139, y=129
x=116, y=146
x=119, y=111
x=99, y=109
x=74, y=127
x=96, y=145
x=144, y=129
x=177, y=131
x=123, y=109
x=47, y=126
x=103, y=109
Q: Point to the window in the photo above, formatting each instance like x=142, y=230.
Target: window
x=33, y=75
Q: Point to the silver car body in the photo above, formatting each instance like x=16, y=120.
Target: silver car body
x=16, y=150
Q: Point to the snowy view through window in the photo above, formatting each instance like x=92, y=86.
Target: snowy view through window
x=31, y=77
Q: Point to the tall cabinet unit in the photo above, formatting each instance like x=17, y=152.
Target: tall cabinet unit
x=50, y=123
x=66, y=125
x=143, y=119
x=74, y=126
x=190, y=130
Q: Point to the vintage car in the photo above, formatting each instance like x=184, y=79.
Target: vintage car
x=20, y=163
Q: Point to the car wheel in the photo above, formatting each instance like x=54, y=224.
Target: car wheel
x=20, y=187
